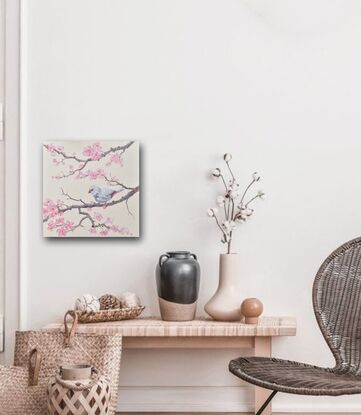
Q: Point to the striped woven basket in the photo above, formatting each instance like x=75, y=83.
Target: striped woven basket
x=108, y=315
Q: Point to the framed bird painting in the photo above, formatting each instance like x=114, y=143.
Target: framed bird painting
x=91, y=189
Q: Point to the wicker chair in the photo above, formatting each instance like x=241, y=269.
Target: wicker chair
x=337, y=305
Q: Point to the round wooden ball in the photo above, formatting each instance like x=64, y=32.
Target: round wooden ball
x=251, y=309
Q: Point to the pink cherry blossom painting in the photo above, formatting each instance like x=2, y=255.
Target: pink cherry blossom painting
x=91, y=189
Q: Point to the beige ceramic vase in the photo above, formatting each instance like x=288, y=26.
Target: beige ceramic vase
x=224, y=305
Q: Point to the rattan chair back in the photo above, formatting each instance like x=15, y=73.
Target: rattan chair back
x=337, y=305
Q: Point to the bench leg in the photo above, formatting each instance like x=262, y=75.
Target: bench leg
x=262, y=347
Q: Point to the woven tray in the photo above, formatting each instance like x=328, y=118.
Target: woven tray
x=109, y=315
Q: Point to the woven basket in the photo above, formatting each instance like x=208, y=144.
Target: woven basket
x=109, y=315
x=22, y=389
x=76, y=398
x=58, y=348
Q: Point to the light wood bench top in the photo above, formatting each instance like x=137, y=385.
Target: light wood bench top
x=202, y=327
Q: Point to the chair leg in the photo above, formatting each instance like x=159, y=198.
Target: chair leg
x=267, y=401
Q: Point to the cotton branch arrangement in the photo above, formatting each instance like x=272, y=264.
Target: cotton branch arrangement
x=234, y=206
x=110, y=192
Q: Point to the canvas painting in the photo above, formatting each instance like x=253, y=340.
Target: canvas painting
x=91, y=189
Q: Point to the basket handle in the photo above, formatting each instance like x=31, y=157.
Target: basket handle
x=34, y=367
x=69, y=333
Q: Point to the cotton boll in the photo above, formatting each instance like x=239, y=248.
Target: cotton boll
x=87, y=302
x=129, y=300
x=256, y=176
x=210, y=213
x=233, y=194
x=227, y=157
x=240, y=219
x=216, y=172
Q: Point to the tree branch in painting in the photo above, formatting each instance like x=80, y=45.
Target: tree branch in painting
x=93, y=152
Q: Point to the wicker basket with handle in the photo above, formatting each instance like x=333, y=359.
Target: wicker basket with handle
x=23, y=389
x=108, y=315
x=79, y=398
x=59, y=348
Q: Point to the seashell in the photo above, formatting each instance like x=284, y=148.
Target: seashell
x=87, y=302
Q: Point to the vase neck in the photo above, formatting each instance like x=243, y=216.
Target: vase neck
x=228, y=270
x=179, y=254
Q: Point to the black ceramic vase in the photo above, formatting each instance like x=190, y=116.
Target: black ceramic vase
x=178, y=275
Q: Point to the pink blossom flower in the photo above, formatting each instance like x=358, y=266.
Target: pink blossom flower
x=98, y=216
x=65, y=227
x=53, y=149
x=93, y=151
x=50, y=147
x=59, y=220
x=50, y=209
x=93, y=230
x=104, y=232
x=51, y=225
x=62, y=231
x=81, y=175
x=95, y=174
x=115, y=158
x=122, y=230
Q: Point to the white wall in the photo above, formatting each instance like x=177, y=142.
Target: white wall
x=277, y=84
x=2, y=81
x=2, y=181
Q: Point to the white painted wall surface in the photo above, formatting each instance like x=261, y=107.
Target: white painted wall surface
x=2, y=83
x=277, y=84
x=2, y=170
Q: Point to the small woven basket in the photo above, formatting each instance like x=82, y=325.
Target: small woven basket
x=108, y=315
x=76, y=398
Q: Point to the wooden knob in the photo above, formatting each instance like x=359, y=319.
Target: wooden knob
x=251, y=309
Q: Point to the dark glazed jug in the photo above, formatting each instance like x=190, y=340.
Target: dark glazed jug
x=178, y=275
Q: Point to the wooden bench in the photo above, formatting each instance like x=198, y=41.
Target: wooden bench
x=152, y=333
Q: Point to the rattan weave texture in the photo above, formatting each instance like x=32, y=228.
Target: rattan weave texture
x=337, y=306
